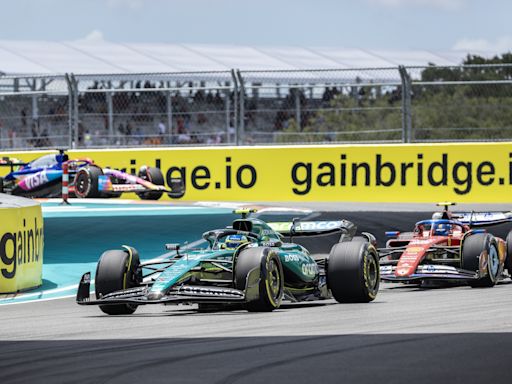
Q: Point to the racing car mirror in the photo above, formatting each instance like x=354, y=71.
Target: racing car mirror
x=172, y=247
x=294, y=227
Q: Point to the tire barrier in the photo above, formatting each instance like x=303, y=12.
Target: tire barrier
x=21, y=244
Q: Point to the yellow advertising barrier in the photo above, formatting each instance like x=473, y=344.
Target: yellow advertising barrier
x=465, y=172
x=21, y=244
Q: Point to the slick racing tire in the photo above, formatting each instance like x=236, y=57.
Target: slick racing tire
x=268, y=293
x=472, y=248
x=117, y=270
x=86, y=182
x=155, y=176
x=353, y=272
x=508, y=260
x=359, y=239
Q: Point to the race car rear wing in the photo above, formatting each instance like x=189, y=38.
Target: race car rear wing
x=480, y=219
x=313, y=228
x=11, y=162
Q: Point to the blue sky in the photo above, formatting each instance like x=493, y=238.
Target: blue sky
x=368, y=24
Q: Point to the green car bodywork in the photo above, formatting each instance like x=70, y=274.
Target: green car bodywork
x=267, y=267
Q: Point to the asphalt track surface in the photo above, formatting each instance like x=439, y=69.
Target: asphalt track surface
x=407, y=335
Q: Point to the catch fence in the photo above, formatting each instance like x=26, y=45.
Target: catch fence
x=402, y=104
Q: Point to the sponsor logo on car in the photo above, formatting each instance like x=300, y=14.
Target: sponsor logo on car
x=309, y=269
x=414, y=249
x=36, y=180
x=291, y=258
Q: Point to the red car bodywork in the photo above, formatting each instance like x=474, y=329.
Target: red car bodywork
x=434, y=251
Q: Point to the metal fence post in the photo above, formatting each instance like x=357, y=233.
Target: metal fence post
x=241, y=126
x=406, y=105
x=74, y=84
x=169, y=115
x=72, y=109
x=110, y=120
x=235, y=107
x=227, y=108
x=297, y=109
x=35, y=112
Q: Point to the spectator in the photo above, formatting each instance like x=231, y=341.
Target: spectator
x=217, y=100
x=183, y=135
x=327, y=95
x=87, y=139
x=23, y=118
x=209, y=98
x=138, y=137
x=199, y=96
x=161, y=131
x=129, y=128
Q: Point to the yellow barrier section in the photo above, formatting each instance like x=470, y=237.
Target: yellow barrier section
x=21, y=244
x=465, y=172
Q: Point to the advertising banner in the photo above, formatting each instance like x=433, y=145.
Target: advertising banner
x=466, y=172
x=21, y=245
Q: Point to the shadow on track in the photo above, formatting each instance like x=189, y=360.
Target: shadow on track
x=396, y=358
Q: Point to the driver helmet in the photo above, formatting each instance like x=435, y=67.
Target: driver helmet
x=234, y=241
x=442, y=230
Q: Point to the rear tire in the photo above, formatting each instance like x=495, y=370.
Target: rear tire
x=271, y=279
x=86, y=182
x=153, y=175
x=116, y=271
x=474, y=246
x=353, y=272
x=359, y=239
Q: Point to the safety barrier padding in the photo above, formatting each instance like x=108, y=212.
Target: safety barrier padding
x=21, y=244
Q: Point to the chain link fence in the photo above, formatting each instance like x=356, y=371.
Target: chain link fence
x=461, y=103
x=34, y=112
x=404, y=104
x=319, y=106
x=154, y=109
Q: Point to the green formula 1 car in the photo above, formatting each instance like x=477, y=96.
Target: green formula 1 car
x=252, y=264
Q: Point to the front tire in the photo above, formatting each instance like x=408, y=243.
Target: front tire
x=117, y=270
x=476, y=246
x=270, y=289
x=86, y=182
x=353, y=273
x=153, y=175
x=508, y=259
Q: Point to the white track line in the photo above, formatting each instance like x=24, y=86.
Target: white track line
x=131, y=209
x=37, y=301
x=12, y=300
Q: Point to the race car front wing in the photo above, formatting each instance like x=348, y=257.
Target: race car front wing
x=427, y=272
x=142, y=295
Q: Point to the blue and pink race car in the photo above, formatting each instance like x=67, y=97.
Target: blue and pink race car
x=42, y=177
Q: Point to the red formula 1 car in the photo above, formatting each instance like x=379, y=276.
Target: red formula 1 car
x=449, y=247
